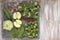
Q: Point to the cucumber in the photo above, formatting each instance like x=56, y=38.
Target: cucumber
x=18, y=23
x=7, y=14
x=7, y=25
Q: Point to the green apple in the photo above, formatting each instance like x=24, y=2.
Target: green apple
x=17, y=15
x=17, y=23
x=7, y=25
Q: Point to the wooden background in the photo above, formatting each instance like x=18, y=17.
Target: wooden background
x=49, y=20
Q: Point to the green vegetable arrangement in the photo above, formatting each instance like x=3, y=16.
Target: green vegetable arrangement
x=17, y=32
x=25, y=11
x=29, y=9
x=32, y=29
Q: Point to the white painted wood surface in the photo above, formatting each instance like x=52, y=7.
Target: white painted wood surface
x=49, y=20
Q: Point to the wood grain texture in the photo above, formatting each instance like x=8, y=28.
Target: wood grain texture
x=49, y=20
x=49, y=26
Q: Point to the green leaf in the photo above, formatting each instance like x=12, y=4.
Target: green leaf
x=17, y=32
x=21, y=32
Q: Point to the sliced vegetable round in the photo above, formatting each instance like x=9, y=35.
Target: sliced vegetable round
x=7, y=25
x=17, y=15
x=17, y=23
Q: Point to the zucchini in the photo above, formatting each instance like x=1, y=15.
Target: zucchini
x=7, y=14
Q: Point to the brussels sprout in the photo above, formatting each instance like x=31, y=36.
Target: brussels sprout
x=31, y=29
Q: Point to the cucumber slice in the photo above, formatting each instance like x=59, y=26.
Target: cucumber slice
x=7, y=25
x=17, y=15
x=18, y=23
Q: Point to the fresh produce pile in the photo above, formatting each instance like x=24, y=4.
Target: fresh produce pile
x=32, y=29
x=24, y=11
